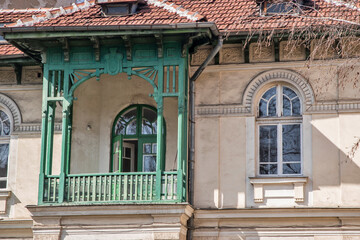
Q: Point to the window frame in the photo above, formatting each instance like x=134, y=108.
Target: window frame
x=279, y=121
x=140, y=137
x=5, y=139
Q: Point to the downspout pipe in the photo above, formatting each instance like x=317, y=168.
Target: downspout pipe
x=192, y=124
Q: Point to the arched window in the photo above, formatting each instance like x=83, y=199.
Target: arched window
x=279, y=130
x=5, y=130
x=134, y=140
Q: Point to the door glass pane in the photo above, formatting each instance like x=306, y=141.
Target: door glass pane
x=291, y=143
x=149, y=163
x=154, y=148
x=4, y=154
x=147, y=148
x=268, y=143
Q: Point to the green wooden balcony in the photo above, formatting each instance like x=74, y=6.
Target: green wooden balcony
x=137, y=187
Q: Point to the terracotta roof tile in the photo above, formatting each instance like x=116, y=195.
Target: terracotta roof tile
x=229, y=15
x=7, y=50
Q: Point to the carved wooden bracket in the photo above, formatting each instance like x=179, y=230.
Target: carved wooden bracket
x=65, y=48
x=159, y=43
x=127, y=41
x=96, y=47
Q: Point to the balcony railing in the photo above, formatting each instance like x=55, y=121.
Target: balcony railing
x=113, y=187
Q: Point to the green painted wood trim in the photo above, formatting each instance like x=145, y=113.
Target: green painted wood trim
x=50, y=137
x=64, y=144
x=32, y=35
x=43, y=135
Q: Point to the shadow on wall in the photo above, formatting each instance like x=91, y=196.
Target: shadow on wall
x=334, y=172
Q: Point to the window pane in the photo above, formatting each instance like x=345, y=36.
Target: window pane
x=268, y=168
x=149, y=163
x=146, y=127
x=124, y=120
x=288, y=92
x=267, y=104
x=5, y=124
x=278, y=7
x=149, y=114
x=3, y=184
x=268, y=143
x=154, y=148
x=291, y=143
x=291, y=168
x=4, y=153
x=147, y=148
x=131, y=128
x=286, y=106
x=296, y=106
x=262, y=108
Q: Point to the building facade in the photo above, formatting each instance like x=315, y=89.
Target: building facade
x=162, y=120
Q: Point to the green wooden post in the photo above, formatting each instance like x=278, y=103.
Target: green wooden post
x=159, y=136
x=66, y=135
x=43, y=135
x=180, y=141
x=64, y=153
x=159, y=141
x=50, y=137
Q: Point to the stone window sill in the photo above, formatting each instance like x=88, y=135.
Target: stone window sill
x=297, y=182
x=4, y=195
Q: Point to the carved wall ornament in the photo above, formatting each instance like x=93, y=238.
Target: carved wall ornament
x=199, y=57
x=8, y=77
x=232, y=53
x=289, y=51
x=261, y=53
x=113, y=62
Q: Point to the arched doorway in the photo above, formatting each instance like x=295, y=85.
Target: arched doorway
x=133, y=143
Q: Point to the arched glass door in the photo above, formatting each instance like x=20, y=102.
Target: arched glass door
x=134, y=140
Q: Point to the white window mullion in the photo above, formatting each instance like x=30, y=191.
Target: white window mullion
x=279, y=148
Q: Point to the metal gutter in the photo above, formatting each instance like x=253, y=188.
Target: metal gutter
x=64, y=29
x=192, y=125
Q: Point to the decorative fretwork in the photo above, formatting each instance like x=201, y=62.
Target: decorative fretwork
x=150, y=74
x=56, y=83
x=171, y=79
x=79, y=76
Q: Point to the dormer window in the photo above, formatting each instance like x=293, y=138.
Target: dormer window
x=118, y=7
x=273, y=7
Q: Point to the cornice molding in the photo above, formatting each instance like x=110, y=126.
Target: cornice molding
x=240, y=110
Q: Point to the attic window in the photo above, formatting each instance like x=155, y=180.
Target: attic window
x=118, y=8
x=270, y=8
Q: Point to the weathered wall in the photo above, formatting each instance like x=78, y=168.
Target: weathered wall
x=21, y=4
x=226, y=161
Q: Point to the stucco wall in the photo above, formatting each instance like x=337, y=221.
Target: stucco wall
x=226, y=143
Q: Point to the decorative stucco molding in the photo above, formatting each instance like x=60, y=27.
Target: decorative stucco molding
x=279, y=75
x=34, y=128
x=8, y=103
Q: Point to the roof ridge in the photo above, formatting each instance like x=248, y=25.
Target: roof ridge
x=52, y=13
x=178, y=9
x=26, y=10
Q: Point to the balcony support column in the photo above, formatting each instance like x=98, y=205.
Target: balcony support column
x=66, y=141
x=44, y=125
x=182, y=130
